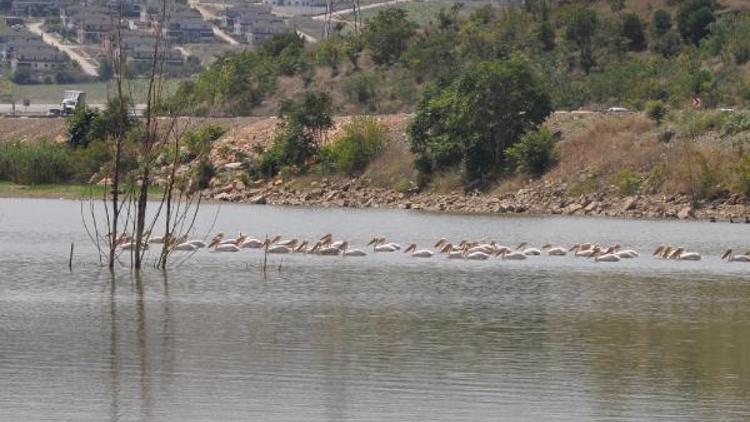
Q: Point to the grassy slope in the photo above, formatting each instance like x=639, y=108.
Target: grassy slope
x=62, y=191
x=97, y=92
x=8, y=189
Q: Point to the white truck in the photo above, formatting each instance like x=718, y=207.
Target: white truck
x=71, y=101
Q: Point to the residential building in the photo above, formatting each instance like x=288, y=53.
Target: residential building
x=37, y=58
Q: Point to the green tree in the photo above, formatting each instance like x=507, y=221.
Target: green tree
x=297, y=142
x=534, y=153
x=581, y=27
x=693, y=19
x=632, y=30
x=545, y=34
x=387, y=35
x=669, y=44
x=661, y=22
x=483, y=112
x=657, y=111
x=79, y=126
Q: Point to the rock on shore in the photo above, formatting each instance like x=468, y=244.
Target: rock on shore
x=545, y=199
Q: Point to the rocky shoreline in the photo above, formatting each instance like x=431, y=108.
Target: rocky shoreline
x=544, y=199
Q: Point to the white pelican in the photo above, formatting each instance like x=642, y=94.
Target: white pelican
x=236, y=241
x=379, y=245
x=292, y=243
x=730, y=257
x=486, y=248
x=354, y=252
x=554, y=250
x=278, y=249
x=252, y=243
x=514, y=255
x=228, y=247
x=197, y=243
x=185, y=246
x=215, y=241
x=345, y=251
x=584, y=252
x=681, y=255
x=528, y=251
x=626, y=253
x=328, y=251
x=606, y=256
x=477, y=256
x=422, y=253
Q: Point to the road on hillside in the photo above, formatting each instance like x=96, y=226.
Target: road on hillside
x=42, y=109
x=87, y=65
x=209, y=16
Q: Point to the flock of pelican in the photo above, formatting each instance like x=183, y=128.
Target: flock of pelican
x=465, y=249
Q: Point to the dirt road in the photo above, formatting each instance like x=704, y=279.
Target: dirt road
x=87, y=65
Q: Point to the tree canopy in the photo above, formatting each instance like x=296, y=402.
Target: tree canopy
x=475, y=119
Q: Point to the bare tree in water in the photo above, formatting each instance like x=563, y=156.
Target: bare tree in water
x=128, y=225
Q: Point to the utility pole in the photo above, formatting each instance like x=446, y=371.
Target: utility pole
x=329, y=17
x=357, y=14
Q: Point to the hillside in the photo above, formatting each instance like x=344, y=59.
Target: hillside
x=589, y=54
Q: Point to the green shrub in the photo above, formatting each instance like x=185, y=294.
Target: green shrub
x=364, y=139
x=34, y=164
x=628, y=182
x=88, y=161
x=741, y=174
x=657, y=111
x=534, y=153
x=198, y=142
x=361, y=88
x=737, y=123
x=204, y=172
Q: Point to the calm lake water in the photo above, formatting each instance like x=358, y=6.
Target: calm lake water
x=380, y=338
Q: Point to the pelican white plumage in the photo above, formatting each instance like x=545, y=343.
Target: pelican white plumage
x=513, y=255
x=292, y=243
x=487, y=249
x=682, y=255
x=422, y=253
x=197, y=243
x=477, y=256
x=252, y=243
x=528, y=251
x=731, y=257
x=345, y=251
x=354, y=252
x=379, y=245
x=227, y=247
x=586, y=250
x=606, y=256
x=185, y=247
x=554, y=250
x=234, y=241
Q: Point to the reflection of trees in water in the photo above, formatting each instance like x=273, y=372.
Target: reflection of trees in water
x=114, y=363
x=142, y=348
x=118, y=357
